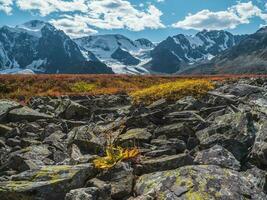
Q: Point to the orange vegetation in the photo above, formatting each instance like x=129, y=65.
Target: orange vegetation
x=22, y=87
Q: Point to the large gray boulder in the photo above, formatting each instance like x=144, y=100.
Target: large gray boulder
x=217, y=155
x=46, y=183
x=207, y=182
x=235, y=132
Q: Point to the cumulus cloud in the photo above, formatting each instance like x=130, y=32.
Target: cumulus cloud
x=46, y=7
x=85, y=16
x=240, y=13
x=73, y=26
x=6, y=6
x=111, y=14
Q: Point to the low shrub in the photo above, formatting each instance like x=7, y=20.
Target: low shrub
x=172, y=91
x=83, y=86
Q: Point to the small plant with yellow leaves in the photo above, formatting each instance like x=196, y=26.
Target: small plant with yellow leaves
x=115, y=155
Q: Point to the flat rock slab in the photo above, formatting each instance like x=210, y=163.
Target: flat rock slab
x=26, y=113
x=164, y=163
x=46, y=183
x=198, y=182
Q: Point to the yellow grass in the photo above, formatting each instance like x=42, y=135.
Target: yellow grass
x=173, y=91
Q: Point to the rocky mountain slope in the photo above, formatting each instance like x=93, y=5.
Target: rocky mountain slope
x=177, y=52
x=213, y=147
x=39, y=46
x=249, y=56
x=119, y=52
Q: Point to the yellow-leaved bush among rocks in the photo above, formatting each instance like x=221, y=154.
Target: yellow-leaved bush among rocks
x=173, y=91
x=115, y=155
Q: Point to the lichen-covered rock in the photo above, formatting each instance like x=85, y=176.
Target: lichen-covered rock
x=217, y=155
x=90, y=193
x=205, y=182
x=259, y=151
x=46, y=183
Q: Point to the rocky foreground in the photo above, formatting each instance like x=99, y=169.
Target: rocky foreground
x=209, y=148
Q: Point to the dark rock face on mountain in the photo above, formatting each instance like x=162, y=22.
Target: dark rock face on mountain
x=249, y=56
x=125, y=57
x=144, y=42
x=213, y=147
x=178, y=51
x=41, y=47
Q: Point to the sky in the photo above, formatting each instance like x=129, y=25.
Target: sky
x=152, y=19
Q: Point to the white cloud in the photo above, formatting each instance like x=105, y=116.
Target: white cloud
x=110, y=14
x=84, y=16
x=241, y=13
x=6, y=6
x=73, y=27
x=46, y=7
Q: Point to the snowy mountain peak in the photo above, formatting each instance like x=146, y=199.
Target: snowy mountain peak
x=263, y=30
x=34, y=27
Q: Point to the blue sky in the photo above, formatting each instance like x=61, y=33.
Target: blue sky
x=153, y=19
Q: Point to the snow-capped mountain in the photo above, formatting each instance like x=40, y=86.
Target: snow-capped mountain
x=39, y=46
x=247, y=57
x=117, y=51
x=179, y=51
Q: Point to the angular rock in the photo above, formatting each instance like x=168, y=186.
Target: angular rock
x=46, y=183
x=28, y=158
x=4, y=130
x=85, y=139
x=177, y=130
x=68, y=109
x=164, y=163
x=259, y=150
x=121, y=180
x=134, y=136
x=174, y=144
x=244, y=90
x=198, y=182
x=6, y=106
x=26, y=113
x=217, y=155
x=104, y=189
x=90, y=193
x=235, y=132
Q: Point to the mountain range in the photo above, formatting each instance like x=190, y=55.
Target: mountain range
x=39, y=47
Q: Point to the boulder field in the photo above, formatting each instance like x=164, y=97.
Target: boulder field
x=210, y=148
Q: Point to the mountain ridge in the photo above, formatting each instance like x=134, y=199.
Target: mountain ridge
x=25, y=47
